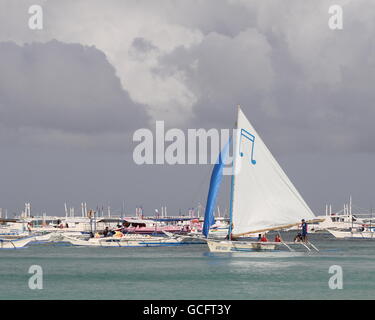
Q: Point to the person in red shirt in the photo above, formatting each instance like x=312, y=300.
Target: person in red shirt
x=277, y=238
x=264, y=239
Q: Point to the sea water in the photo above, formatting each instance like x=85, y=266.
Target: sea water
x=190, y=272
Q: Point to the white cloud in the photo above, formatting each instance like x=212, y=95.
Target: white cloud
x=114, y=32
x=278, y=58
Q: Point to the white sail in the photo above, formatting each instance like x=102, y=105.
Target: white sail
x=263, y=195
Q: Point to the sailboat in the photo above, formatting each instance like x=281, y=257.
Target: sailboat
x=262, y=196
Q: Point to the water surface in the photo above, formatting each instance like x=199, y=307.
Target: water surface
x=189, y=272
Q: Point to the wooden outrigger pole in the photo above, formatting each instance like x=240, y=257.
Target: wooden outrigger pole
x=290, y=249
x=313, y=246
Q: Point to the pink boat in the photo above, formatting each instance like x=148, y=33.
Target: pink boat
x=153, y=230
x=151, y=227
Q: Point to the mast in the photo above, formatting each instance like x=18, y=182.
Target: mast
x=371, y=231
x=231, y=206
x=232, y=179
x=370, y=220
x=123, y=210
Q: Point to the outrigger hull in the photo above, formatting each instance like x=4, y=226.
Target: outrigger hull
x=15, y=243
x=240, y=246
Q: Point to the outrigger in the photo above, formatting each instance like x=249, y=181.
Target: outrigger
x=15, y=243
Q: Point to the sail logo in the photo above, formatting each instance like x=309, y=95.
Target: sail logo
x=248, y=137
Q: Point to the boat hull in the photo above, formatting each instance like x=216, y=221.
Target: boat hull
x=240, y=246
x=352, y=235
x=15, y=243
x=127, y=242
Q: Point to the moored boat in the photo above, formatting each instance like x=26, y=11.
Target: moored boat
x=15, y=243
x=354, y=233
x=129, y=240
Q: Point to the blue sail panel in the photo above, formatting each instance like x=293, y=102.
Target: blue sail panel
x=216, y=178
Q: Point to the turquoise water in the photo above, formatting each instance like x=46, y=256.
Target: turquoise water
x=189, y=272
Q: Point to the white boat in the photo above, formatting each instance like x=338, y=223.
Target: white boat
x=262, y=196
x=15, y=243
x=13, y=228
x=58, y=236
x=127, y=240
x=342, y=220
x=354, y=233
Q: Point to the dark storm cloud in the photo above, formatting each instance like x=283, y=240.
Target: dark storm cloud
x=62, y=92
x=301, y=96
x=308, y=90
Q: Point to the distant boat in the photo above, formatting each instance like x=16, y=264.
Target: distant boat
x=262, y=196
x=218, y=230
x=129, y=240
x=15, y=243
x=354, y=233
x=149, y=227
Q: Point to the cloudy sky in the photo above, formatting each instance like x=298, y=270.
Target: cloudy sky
x=73, y=93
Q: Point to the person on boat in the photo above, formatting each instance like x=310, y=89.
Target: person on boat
x=298, y=238
x=304, y=230
x=105, y=232
x=259, y=237
x=277, y=238
x=264, y=238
